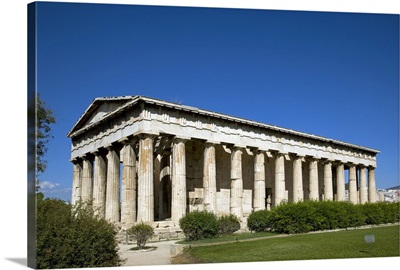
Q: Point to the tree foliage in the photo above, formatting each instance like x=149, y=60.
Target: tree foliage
x=73, y=236
x=44, y=119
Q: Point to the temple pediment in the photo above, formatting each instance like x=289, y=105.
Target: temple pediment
x=100, y=109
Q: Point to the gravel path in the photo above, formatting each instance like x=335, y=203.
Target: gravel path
x=160, y=256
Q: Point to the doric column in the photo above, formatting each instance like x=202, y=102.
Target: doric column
x=259, y=181
x=314, y=192
x=340, y=193
x=112, y=190
x=298, y=193
x=328, y=184
x=87, y=180
x=165, y=186
x=145, y=179
x=178, y=207
x=363, y=185
x=279, y=179
x=210, y=178
x=128, y=189
x=353, y=184
x=157, y=186
x=76, y=182
x=99, y=184
x=371, y=185
x=236, y=202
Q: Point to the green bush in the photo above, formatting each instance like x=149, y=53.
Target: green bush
x=292, y=218
x=347, y=215
x=390, y=211
x=141, y=233
x=380, y=212
x=374, y=214
x=259, y=221
x=228, y=224
x=327, y=214
x=73, y=237
x=307, y=216
x=198, y=225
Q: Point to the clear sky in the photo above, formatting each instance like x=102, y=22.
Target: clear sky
x=330, y=74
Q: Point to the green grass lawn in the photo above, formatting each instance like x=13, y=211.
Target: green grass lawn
x=329, y=245
x=229, y=238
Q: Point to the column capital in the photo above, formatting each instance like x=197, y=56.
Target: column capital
x=278, y=153
x=238, y=149
x=99, y=151
x=75, y=160
x=230, y=148
x=87, y=156
x=239, y=146
x=296, y=156
x=337, y=162
x=312, y=158
x=182, y=139
x=128, y=140
x=257, y=151
x=327, y=161
x=146, y=135
x=109, y=147
x=96, y=152
x=209, y=142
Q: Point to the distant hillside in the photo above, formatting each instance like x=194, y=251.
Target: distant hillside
x=395, y=187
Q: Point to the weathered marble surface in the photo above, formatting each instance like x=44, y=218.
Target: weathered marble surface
x=142, y=159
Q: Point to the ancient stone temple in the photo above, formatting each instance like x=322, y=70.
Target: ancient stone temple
x=143, y=159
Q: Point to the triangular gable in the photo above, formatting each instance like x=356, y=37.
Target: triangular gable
x=99, y=109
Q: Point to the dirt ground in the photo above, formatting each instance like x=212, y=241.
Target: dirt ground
x=160, y=256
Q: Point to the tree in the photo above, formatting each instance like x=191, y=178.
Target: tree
x=73, y=236
x=44, y=119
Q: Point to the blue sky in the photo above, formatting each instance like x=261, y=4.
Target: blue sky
x=331, y=74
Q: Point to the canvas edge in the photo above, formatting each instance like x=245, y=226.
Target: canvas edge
x=31, y=135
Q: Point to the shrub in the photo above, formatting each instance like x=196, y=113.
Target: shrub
x=346, y=214
x=228, y=224
x=354, y=216
x=391, y=211
x=198, y=225
x=141, y=233
x=312, y=215
x=328, y=215
x=73, y=237
x=259, y=221
x=373, y=213
x=381, y=212
x=292, y=218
